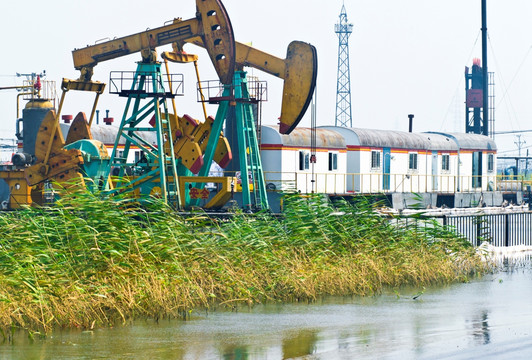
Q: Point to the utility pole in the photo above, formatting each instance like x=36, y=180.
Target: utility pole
x=519, y=143
x=526, y=162
x=485, y=109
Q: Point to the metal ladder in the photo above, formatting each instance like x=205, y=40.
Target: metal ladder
x=172, y=179
x=250, y=161
x=160, y=167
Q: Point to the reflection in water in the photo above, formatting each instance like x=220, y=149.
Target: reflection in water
x=515, y=262
x=483, y=314
x=231, y=352
x=300, y=343
x=480, y=328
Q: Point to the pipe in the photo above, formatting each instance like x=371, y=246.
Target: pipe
x=18, y=133
x=18, y=101
x=107, y=120
x=410, y=122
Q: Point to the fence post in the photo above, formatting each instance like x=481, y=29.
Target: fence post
x=478, y=221
x=506, y=230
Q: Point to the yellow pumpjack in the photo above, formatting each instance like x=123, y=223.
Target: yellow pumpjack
x=212, y=30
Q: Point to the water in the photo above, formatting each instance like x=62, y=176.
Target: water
x=488, y=318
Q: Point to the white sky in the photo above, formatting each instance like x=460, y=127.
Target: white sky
x=406, y=56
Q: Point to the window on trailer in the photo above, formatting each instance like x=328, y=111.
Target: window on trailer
x=490, y=162
x=445, y=158
x=138, y=156
x=375, y=159
x=304, y=160
x=412, y=161
x=333, y=161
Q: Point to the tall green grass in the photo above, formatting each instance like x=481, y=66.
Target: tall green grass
x=88, y=261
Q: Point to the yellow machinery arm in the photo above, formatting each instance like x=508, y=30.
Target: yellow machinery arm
x=299, y=71
x=211, y=24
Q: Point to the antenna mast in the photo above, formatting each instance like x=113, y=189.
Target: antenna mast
x=343, y=88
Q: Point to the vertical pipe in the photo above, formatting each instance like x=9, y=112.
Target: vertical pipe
x=410, y=122
x=485, y=116
x=30, y=93
x=466, y=108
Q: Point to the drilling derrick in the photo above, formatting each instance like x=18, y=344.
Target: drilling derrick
x=343, y=88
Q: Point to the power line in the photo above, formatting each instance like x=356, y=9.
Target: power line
x=511, y=132
x=510, y=151
x=510, y=106
x=516, y=73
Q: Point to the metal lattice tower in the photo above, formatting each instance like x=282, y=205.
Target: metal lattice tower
x=343, y=88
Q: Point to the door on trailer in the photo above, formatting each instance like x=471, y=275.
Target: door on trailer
x=477, y=169
x=386, y=155
x=434, y=170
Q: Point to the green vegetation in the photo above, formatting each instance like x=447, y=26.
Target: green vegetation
x=88, y=262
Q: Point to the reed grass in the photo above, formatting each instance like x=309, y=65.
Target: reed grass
x=88, y=262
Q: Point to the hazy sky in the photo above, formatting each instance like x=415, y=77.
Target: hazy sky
x=406, y=56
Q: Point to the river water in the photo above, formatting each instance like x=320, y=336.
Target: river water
x=488, y=318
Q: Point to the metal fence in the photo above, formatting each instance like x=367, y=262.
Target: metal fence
x=498, y=229
x=502, y=230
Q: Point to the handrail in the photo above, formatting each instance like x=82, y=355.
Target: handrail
x=367, y=183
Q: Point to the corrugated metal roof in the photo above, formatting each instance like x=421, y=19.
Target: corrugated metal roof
x=394, y=139
x=388, y=138
x=440, y=142
x=301, y=137
x=471, y=141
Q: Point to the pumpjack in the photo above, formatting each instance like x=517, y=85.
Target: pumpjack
x=176, y=165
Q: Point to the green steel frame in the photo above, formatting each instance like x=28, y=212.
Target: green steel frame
x=157, y=169
x=162, y=170
x=253, y=197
